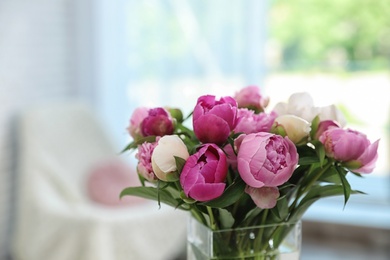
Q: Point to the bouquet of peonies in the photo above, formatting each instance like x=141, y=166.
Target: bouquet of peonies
x=241, y=166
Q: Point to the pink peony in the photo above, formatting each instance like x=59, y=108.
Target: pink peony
x=158, y=122
x=248, y=122
x=266, y=159
x=325, y=125
x=213, y=120
x=136, y=119
x=350, y=147
x=204, y=173
x=251, y=98
x=144, y=156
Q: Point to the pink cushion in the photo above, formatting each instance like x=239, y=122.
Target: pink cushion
x=108, y=178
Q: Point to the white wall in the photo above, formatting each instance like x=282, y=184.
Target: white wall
x=38, y=54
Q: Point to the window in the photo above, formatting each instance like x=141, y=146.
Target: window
x=167, y=53
x=158, y=53
x=181, y=49
x=339, y=56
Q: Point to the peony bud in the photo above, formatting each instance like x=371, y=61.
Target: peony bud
x=213, y=120
x=266, y=159
x=296, y=128
x=158, y=122
x=323, y=126
x=144, y=156
x=136, y=119
x=204, y=173
x=352, y=148
x=163, y=157
x=176, y=114
x=248, y=122
x=251, y=98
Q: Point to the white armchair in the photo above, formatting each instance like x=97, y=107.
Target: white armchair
x=56, y=218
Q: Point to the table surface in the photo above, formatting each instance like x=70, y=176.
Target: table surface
x=312, y=250
x=325, y=241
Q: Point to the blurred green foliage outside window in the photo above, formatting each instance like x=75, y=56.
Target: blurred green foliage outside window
x=346, y=34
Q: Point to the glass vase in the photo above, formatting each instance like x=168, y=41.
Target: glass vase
x=277, y=242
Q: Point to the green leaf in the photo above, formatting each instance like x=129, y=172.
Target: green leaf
x=141, y=178
x=311, y=174
x=306, y=150
x=357, y=174
x=183, y=205
x=321, y=192
x=280, y=211
x=308, y=160
x=134, y=144
x=173, y=191
x=252, y=214
x=230, y=195
x=298, y=174
x=320, y=150
x=179, y=163
x=354, y=164
x=130, y=146
x=162, y=184
x=226, y=219
x=331, y=176
x=241, y=209
x=298, y=212
x=151, y=193
x=187, y=117
x=345, y=183
x=186, y=199
x=159, y=193
x=317, y=192
x=314, y=127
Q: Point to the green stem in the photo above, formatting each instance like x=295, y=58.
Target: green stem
x=264, y=242
x=264, y=217
x=308, y=186
x=198, y=215
x=213, y=224
x=178, y=186
x=326, y=167
x=187, y=132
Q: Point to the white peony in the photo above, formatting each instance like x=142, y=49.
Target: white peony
x=163, y=157
x=296, y=128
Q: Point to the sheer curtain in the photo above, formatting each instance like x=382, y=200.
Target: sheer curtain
x=167, y=53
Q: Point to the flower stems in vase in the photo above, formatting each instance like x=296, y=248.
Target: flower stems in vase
x=246, y=174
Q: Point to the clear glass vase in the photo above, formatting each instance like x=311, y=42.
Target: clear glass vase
x=277, y=242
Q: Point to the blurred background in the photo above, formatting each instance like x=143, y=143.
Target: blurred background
x=68, y=64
